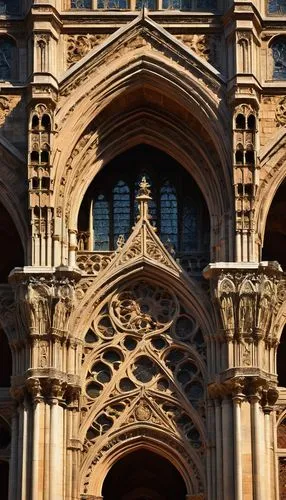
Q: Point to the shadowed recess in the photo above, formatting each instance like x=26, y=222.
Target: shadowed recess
x=143, y=475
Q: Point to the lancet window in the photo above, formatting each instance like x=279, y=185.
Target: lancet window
x=9, y=7
x=277, y=7
x=177, y=208
x=187, y=5
x=7, y=51
x=279, y=59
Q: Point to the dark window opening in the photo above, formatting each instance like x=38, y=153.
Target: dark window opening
x=35, y=122
x=279, y=59
x=251, y=122
x=46, y=123
x=177, y=207
x=240, y=121
x=7, y=53
x=35, y=157
x=6, y=361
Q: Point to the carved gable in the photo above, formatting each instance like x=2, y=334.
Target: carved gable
x=141, y=36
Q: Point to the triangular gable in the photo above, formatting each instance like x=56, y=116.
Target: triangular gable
x=155, y=35
x=143, y=244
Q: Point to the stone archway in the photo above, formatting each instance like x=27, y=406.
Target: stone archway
x=143, y=475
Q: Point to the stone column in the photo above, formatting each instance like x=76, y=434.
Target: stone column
x=13, y=471
x=237, y=400
x=219, y=463
x=257, y=432
x=227, y=446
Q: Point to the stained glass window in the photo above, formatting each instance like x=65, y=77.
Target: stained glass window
x=6, y=51
x=277, y=7
x=279, y=59
x=101, y=223
x=9, y=7
x=169, y=215
x=150, y=4
x=121, y=211
x=189, y=226
x=81, y=4
x=112, y=4
x=176, y=207
x=192, y=5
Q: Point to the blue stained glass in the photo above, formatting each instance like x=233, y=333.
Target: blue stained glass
x=9, y=7
x=189, y=227
x=101, y=223
x=279, y=60
x=112, y=4
x=121, y=211
x=6, y=49
x=169, y=215
x=81, y=4
x=150, y=4
x=277, y=7
x=206, y=4
x=172, y=4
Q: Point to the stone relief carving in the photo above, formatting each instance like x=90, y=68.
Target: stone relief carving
x=248, y=303
x=44, y=305
x=79, y=45
x=280, y=112
x=7, y=104
x=203, y=45
x=93, y=263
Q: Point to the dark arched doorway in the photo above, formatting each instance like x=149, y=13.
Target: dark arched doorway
x=143, y=475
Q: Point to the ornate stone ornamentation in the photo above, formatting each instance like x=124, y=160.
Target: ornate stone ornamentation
x=143, y=308
x=7, y=104
x=203, y=45
x=93, y=263
x=280, y=112
x=142, y=365
x=44, y=305
x=79, y=45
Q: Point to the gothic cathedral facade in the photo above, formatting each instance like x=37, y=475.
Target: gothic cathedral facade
x=142, y=210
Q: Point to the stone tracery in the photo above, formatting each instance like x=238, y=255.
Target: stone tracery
x=143, y=363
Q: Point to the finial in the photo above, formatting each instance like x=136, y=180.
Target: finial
x=143, y=197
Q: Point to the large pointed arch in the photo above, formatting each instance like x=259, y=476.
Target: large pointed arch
x=184, y=111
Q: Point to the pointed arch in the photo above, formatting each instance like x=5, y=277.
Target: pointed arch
x=272, y=162
x=176, y=106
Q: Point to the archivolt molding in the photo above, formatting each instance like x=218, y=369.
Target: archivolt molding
x=96, y=148
x=197, y=88
x=154, y=440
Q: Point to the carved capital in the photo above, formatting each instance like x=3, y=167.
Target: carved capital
x=44, y=303
x=248, y=300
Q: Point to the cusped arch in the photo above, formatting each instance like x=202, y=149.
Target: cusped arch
x=92, y=475
x=187, y=289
